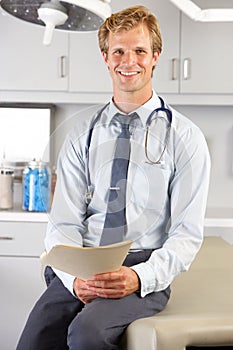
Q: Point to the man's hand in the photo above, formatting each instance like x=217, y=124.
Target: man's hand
x=115, y=284
x=83, y=292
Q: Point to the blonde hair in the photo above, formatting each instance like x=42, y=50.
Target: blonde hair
x=127, y=19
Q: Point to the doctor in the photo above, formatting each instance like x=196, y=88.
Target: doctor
x=167, y=185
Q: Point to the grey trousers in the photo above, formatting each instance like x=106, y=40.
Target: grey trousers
x=59, y=321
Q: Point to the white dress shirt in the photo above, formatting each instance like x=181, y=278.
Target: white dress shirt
x=165, y=202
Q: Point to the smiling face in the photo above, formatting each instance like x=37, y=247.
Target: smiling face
x=130, y=62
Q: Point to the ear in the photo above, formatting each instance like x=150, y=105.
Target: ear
x=105, y=57
x=156, y=57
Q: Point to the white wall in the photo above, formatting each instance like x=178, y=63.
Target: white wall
x=216, y=123
x=66, y=116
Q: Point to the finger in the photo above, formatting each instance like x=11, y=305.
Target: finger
x=96, y=285
x=87, y=297
x=110, y=293
x=109, y=276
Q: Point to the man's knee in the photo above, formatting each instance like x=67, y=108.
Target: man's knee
x=88, y=334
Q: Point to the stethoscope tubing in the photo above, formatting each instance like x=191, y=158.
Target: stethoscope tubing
x=160, y=109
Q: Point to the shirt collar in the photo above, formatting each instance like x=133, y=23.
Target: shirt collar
x=143, y=111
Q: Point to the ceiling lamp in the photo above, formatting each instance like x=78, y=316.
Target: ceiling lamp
x=68, y=15
x=209, y=15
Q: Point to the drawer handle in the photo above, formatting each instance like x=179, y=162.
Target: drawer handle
x=6, y=238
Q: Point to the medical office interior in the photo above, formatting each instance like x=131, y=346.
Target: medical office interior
x=56, y=83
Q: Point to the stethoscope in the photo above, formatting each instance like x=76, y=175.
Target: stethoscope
x=90, y=188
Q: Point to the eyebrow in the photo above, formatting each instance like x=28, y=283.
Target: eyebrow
x=134, y=48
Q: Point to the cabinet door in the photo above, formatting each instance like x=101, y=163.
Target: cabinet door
x=207, y=51
x=25, y=63
x=88, y=72
x=21, y=286
x=166, y=74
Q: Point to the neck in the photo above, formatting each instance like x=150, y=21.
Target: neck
x=129, y=101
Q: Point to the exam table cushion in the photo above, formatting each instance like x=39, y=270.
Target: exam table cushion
x=200, y=310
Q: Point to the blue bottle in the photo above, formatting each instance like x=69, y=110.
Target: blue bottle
x=36, y=186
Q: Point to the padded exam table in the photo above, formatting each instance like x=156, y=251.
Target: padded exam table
x=200, y=310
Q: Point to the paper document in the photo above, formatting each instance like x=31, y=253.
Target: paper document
x=84, y=263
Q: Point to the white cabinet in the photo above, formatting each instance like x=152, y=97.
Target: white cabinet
x=206, y=53
x=21, y=244
x=25, y=63
x=196, y=57
x=166, y=75
x=207, y=58
x=88, y=72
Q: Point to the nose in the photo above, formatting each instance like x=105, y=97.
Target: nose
x=129, y=58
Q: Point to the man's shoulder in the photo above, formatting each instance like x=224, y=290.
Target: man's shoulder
x=181, y=123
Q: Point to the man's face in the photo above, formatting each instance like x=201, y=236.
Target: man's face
x=130, y=59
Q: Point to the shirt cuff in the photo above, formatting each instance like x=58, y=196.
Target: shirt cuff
x=146, y=275
x=67, y=280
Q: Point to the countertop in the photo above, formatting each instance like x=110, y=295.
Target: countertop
x=18, y=214
x=215, y=217
x=219, y=217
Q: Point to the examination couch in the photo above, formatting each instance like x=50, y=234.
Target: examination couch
x=200, y=310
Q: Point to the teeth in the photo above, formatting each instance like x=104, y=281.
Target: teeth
x=129, y=73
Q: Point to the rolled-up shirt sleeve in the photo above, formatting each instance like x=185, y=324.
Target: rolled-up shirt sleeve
x=188, y=190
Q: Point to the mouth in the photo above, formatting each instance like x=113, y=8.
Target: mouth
x=128, y=74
